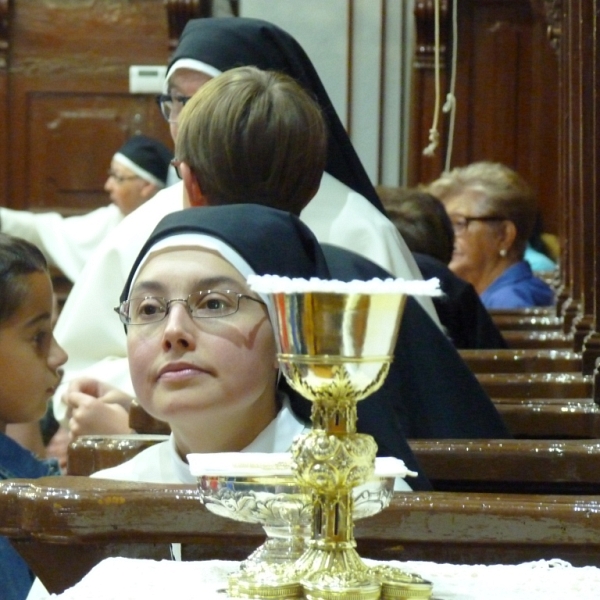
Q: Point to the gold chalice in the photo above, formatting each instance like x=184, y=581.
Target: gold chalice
x=335, y=344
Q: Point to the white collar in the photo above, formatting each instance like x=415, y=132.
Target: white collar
x=277, y=436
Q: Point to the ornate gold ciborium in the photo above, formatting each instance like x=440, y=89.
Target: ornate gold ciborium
x=262, y=488
x=259, y=488
x=335, y=344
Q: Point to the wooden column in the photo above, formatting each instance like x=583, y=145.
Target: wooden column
x=555, y=16
x=591, y=107
x=179, y=12
x=571, y=156
x=583, y=324
x=4, y=44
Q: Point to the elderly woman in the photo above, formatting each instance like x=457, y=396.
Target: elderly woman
x=493, y=212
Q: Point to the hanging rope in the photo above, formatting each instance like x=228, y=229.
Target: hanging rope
x=450, y=104
x=434, y=134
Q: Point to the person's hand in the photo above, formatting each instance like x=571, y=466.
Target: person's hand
x=96, y=408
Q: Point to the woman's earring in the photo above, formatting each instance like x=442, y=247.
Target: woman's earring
x=502, y=252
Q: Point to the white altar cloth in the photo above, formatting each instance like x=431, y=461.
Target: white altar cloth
x=136, y=579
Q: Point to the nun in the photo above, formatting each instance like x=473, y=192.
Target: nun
x=352, y=218
x=201, y=346
x=439, y=379
x=138, y=170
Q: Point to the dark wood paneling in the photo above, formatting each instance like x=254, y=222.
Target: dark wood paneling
x=68, y=100
x=85, y=128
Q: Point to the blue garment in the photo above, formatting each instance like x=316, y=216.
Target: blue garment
x=16, y=461
x=537, y=260
x=517, y=288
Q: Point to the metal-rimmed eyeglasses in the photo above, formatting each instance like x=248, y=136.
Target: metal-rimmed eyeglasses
x=460, y=223
x=171, y=105
x=121, y=178
x=200, y=305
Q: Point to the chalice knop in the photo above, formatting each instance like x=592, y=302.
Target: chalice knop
x=335, y=344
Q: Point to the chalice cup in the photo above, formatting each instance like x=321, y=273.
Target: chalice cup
x=335, y=345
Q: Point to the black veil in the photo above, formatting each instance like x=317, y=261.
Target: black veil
x=226, y=43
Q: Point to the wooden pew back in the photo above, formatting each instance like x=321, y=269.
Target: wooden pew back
x=91, y=453
x=63, y=526
x=505, y=466
x=522, y=361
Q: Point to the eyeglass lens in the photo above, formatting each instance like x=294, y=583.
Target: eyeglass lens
x=171, y=106
x=120, y=178
x=201, y=304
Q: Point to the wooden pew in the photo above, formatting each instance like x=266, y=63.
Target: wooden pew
x=509, y=466
x=142, y=422
x=517, y=322
x=534, y=311
x=64, y=526
x=533, y=407
x=522, y=361
x=537, y=385
x=548, y=340
x=577, y=419
x=545, y=405
x=91, y=453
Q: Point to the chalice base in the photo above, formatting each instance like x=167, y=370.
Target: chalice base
x=269, y=572
x=335, y=571
x=397, y=584
x=275, y=551
x=339, y=573
x=274, y=582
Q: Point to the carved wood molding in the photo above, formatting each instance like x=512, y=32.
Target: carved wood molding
x=424, y=13
x=551, y=12
x=4, y=27
x=179, y=12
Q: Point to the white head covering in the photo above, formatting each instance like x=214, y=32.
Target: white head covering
x=193, y=65
x=199, y=241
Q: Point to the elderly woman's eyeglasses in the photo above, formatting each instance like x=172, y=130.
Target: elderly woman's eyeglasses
x=460, y=223
x=200, y=305
x=170, y=106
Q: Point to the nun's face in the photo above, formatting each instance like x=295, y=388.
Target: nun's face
x=127, y=190
x=209, y=376
x=183, y=83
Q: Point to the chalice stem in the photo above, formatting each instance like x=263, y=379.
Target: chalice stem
x=332, y=517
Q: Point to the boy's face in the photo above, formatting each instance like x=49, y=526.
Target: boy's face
x=29, y=354
x=213, y=379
